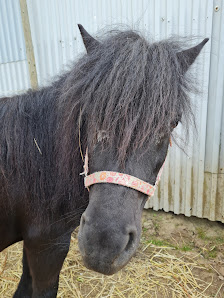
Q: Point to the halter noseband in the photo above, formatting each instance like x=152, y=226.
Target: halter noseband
x=120, y=179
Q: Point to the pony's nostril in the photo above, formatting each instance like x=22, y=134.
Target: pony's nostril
x=131, y=240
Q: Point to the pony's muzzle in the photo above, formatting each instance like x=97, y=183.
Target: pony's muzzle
x=106, y=249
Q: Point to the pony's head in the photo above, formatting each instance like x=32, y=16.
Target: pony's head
x=133, y=94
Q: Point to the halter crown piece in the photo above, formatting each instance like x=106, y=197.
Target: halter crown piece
x=120, y=179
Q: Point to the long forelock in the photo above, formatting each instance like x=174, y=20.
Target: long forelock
x=130, y=89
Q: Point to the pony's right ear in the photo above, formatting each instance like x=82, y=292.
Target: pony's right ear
x=187, y=57
x=89, y=42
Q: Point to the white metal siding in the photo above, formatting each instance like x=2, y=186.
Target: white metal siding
x=192, y=182
x=14, y=77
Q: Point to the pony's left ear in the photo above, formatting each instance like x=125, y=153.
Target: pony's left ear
x=187, y=57
x=89, y=42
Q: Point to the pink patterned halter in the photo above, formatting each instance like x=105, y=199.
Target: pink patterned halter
x=120, y=179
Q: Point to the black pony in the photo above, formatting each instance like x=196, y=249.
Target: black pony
x=121, y=100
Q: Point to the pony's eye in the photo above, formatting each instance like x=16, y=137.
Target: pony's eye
x=174, y=123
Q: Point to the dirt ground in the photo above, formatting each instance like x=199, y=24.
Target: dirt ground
x=177, y=257
x=200, y=239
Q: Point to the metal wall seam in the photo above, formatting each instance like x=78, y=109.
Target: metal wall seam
x=214, y=182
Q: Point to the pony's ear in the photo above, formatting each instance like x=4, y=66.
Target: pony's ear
x=89, y=42
x=187, y=57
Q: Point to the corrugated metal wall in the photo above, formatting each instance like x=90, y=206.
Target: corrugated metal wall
x=193, y=182
x=14, y=76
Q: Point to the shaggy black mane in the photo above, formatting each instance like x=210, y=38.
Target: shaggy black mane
x=134, y=91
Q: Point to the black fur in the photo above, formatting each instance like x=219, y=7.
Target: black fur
x=133, y=90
